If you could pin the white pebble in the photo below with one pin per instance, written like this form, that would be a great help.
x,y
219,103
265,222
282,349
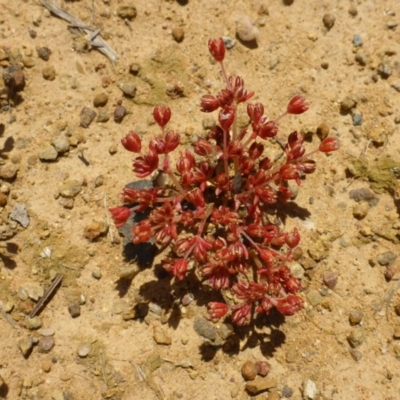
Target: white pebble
x,y
245,29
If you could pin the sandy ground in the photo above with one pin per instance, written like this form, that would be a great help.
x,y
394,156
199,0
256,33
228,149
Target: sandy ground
x,y
344,344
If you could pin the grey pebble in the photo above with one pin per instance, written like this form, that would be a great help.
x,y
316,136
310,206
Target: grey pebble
x,y
229,42
287,391
19,213
386,258
314,297
119,113
70,189
8,171
48,153
357,40
25,345
46,344
83,350
364,194
128,88
103,115
61,144
356,337
226,330
357,119
33,323
96,273
86,117
74,309
205,328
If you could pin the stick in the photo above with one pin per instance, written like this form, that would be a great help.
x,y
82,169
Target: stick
x,y
46,295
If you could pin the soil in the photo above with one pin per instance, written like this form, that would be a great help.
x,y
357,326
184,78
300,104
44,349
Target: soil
x,y
134,339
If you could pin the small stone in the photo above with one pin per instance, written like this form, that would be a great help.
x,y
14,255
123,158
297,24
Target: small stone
x,y
134,69
355,317
355,354
260,385
226,330
25,345
325,64
127,12
103,116
263,368
96,273
44,53
14,78
129,273
178,33
357,40
356,337
48,153
70,189
100,100
392,24
353,11
396,333
364,194
46,332
46,344
386,258
245,29
309,390
263,9
229,42
361,58
384,70
22,294
86,117
330,279
19,214
35,291
83,350
8,171
329,21
3,200
74,309
205,328
287,391
61,144
95,229
119,113
360,210
314,297
308,263
249,371
66,203
33,323
49,73
347,104
160,337
46,365
187,299
127,88
323,130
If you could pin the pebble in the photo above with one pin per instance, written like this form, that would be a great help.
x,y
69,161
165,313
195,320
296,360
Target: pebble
x,y
229,42
95,229
364,194
103,116
129,272
355,317
96,273
49,73
360,210
396,333
70,189
263,368
8,171
249,371
245,29
356,337
386,258
25,345
14,78
83,350
347,104
160,337
74,309
314,297
323,130
3,200
46,344
261,384
61,144
178,33
329,21
330,279
48,153
100,100
384,70
33,323
357,119
127,12
361,58
205,328
127,88
44,53
86,117
46,332
66,203
119,113
22,294
35,291
226,330
357,40
46,365
309,390
355,354
353,11
19,213
392,24
287,391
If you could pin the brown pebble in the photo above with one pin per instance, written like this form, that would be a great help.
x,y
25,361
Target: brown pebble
x,y
74,309
160,336
323,130
46,344
3,200
353,11
127,12
49,73
95,229
44,53
330,279
120,113
263,368
249,371
328,20
355,317
87,116
263,10
46,365
178,33
100,100
324,64
14,78
113,149
8,171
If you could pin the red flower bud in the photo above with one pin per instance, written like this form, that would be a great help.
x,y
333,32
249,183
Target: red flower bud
x,y
217,310
255,150
226,117
179,269
144,165
132,142
162,115
289,171
120,215
289,305
292,239
209,103
255,112
329,144
266,129
217,49
297,105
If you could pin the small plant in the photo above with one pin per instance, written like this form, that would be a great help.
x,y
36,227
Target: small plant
x,y
211,215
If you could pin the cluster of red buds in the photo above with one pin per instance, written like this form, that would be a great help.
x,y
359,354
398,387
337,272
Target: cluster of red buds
x,y
211,214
